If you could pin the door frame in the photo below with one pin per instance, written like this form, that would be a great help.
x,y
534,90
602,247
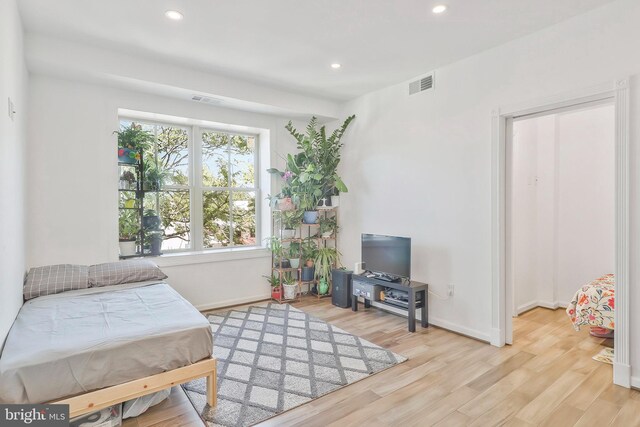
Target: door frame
x,y
502,119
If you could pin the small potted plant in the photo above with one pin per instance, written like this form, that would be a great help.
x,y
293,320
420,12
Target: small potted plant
x,y
294,254
128,180
276,289
132,142
154,177
290,287
151,220
128,231
326,259
328,226
153,239
335,198
291,222
279,260
309,251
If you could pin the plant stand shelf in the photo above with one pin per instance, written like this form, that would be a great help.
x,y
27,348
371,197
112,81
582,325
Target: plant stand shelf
x,y
304,232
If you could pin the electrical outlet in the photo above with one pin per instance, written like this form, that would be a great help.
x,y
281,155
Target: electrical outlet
x,y
450,290
12,109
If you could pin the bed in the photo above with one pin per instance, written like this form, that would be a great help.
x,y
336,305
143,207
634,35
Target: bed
x,y
594,304
94,347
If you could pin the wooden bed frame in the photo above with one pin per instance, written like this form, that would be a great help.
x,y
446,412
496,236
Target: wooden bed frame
x,y
95,400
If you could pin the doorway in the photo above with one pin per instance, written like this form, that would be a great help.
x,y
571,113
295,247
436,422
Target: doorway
x,y
560,234
503,292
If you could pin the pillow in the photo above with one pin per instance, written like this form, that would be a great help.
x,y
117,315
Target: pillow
x,y
129,271
53,279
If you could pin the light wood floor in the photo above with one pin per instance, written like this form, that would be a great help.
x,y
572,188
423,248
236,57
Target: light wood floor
x,y
546,378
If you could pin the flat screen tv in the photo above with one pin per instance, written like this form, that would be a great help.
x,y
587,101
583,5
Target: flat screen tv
x,y
387,255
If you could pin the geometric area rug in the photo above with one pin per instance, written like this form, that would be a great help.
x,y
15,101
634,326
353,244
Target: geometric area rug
x,y
274,357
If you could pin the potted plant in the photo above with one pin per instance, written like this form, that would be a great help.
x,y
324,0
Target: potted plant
x,y
326,259
294,254
154,177
291,222
279,261
128,232
328,226
151,220
290,287
309,251
154,241
311,174
276,290
335,198
132,142
128,180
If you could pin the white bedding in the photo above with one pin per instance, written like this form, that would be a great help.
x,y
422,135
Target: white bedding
x,y
79,341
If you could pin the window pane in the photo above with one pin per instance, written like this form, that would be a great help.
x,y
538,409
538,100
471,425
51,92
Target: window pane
x,y
173,154
242,161
244,218
215,210
215,159
176,221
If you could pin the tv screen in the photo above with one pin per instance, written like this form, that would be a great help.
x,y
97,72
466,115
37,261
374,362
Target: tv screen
x,y
387,254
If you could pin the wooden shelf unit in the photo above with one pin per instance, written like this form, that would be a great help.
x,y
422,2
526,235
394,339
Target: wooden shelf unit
x,y
304,231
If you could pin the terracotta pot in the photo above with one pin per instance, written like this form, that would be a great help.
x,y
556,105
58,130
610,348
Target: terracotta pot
x,y
276,292
309,263
286,204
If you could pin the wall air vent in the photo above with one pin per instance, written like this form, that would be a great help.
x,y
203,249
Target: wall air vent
x,y
422,84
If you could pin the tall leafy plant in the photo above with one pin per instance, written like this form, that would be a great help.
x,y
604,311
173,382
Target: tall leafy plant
x,y
311,174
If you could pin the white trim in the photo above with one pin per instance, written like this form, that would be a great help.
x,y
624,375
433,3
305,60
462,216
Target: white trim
x,y
621,361
635,382
212,255
501,312
435,321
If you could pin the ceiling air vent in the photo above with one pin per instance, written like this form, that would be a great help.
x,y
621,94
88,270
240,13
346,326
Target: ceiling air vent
x,y
420,85
206,99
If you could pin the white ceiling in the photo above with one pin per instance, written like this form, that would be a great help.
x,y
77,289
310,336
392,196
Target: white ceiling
x,y
291,43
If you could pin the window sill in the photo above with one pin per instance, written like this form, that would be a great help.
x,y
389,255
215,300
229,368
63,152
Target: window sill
x,y
209,256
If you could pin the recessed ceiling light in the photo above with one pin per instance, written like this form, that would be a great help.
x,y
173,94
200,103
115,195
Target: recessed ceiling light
x,y
335,65
174,14
439,9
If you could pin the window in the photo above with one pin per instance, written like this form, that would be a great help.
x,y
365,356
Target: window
x,y
208,196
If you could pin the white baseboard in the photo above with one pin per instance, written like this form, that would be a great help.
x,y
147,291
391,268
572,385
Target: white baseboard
x,y
545,304
232,302
622,374
497,338
526,307
441,323
635,382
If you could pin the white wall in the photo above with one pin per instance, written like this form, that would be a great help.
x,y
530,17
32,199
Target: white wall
x,y
13,83
563,216
72,198
421,165
586,198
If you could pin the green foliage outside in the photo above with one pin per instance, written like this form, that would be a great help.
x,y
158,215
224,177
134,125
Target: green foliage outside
x,y
228,161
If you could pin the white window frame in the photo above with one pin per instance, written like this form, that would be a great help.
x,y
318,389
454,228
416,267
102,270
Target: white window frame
x,y
196,187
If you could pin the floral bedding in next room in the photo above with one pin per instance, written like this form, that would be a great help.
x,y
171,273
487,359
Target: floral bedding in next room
x,y
594,304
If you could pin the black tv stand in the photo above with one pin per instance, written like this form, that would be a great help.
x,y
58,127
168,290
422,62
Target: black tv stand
x,y
368,287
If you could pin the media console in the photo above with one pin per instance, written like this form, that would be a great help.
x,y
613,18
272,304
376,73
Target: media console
x,y
369,289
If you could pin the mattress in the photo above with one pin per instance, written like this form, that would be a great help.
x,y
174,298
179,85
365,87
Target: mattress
x,y
78,341
594,304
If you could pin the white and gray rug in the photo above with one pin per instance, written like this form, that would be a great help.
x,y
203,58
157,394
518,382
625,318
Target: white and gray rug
x,y
275,357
